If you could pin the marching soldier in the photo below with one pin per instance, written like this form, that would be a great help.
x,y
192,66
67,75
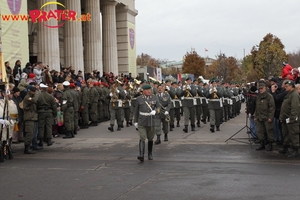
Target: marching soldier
x,y
204,102
106,100
188,103
93,107
100,109
147,105
198,102
126,103
68,110
114,107
84,106
215,105
225,102
134,94
221,90
47,111
162,118
176,104
264,114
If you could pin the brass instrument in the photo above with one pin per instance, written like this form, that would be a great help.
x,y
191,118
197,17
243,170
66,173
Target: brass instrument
x,y
163,110
187,90
113,90
214,92
154,80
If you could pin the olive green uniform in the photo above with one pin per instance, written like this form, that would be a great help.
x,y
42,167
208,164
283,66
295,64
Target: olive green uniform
x,y
204,103
215,105
188,103
47,111
68,111
265,109
76,108
84,106
93,109
290,110
161,124
30,117
175,94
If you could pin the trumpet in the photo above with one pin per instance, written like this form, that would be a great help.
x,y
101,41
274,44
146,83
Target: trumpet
x,y
187,90
214,92
154,80
163,110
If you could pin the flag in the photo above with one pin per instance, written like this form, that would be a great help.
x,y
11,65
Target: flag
x,y
3,76
205,49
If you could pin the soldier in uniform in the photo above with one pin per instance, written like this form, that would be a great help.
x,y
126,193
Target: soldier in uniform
x,y
30,118
93,107
204,102
147,105
106,100
114,107
215,105
175,93
188,104
76,106
126,103
264,114
289,116
84,106
162,118
100,102
68,110
198,102
225,102
47,111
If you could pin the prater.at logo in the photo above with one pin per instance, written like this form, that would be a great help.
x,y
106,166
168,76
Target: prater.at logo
x,y
61,16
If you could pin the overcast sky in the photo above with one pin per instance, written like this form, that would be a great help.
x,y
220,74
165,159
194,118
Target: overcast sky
x,y
167,29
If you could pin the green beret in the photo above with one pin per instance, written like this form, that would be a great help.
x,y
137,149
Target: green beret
x,y
173,83
212,80
217,80
167,81
146,87
156,82
187,79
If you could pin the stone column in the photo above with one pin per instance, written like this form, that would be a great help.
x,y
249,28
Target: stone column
x,y
73,38
109,29
48,42
92,38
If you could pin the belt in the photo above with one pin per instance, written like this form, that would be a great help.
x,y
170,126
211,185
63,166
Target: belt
x,y
189,97
145,114
214,100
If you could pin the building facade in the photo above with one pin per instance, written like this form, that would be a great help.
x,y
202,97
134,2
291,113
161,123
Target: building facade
x,y
107,42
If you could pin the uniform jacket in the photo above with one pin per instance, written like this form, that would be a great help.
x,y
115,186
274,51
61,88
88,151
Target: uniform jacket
x,y
29,108
265,107
165,103
67,100
215,100
188,96
84,96
175,94
46,103
290,107
142,107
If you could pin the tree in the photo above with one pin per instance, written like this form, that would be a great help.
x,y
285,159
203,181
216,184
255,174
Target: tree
x,y
193,64
147,60
267,57
294,59
248,73
225,68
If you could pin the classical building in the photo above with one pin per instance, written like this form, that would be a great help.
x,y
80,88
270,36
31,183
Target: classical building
x,y
106,42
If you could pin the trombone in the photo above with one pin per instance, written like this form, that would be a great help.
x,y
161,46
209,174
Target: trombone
x,y
154,80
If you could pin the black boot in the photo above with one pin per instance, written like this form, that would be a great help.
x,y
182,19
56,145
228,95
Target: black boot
x,y
261,146
41,143
212,128
75,131
68,135
84,126
198,124
193,127
171,128
150,146
119,127
285,150
27,150
130,122
141,150
72,134
294,153
218,128
127,124
178,125
158,140
49,142
185,128
111,128
166,138
269,146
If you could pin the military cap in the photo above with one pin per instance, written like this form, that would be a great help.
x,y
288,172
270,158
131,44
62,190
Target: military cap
x,y
42,85
66,83
167,81
289,82
173,83
261,85
156,82
146,87
213,81
187,79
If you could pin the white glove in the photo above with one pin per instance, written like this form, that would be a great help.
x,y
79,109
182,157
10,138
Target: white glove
x,y
184,87
153,112
118,91
110,94
4,122
210,91
7,92
189,87
168,88
125,92
12,122
166,113
136,125
182,98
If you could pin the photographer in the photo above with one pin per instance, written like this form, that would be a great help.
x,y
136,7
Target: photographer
x,y
250,109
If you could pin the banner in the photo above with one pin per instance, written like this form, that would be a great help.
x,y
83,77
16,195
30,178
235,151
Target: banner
x,y
131,49
14,31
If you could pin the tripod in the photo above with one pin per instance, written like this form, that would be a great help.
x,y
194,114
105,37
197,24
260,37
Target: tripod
x,y
248,140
